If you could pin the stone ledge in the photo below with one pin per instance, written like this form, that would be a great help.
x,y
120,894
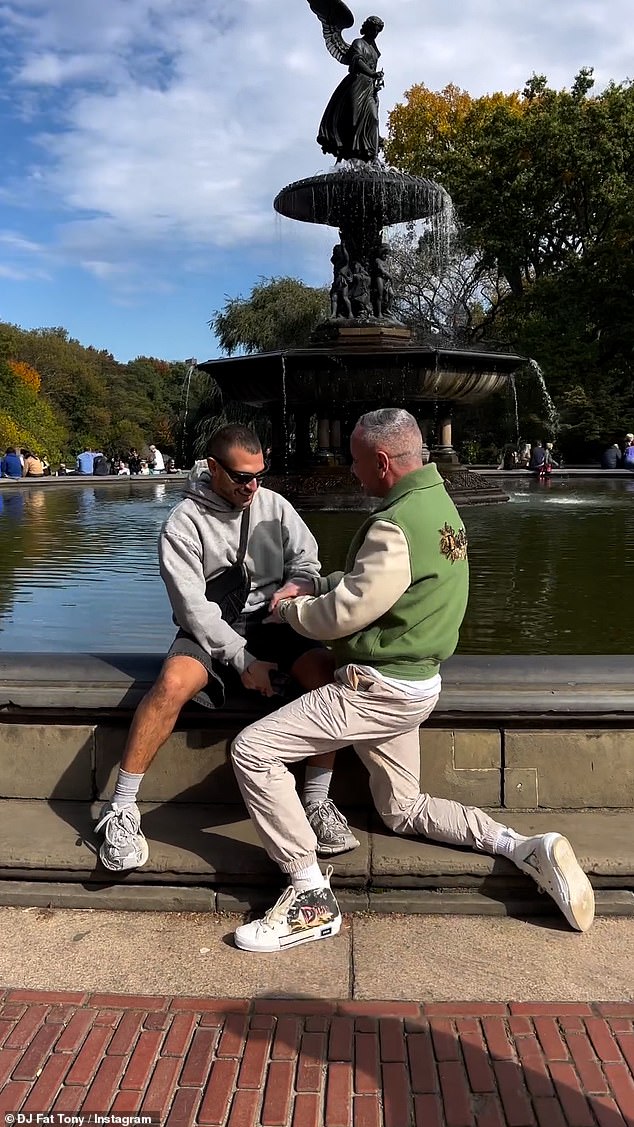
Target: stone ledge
x,y
576,686
217,846
166,898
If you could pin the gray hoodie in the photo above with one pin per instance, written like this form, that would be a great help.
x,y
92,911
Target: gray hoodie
x,y
200,538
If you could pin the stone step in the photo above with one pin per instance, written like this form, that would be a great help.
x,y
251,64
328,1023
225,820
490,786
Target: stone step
x,y
215,849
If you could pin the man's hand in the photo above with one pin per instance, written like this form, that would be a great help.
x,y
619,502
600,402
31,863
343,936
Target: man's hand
x,y
256,677
291,590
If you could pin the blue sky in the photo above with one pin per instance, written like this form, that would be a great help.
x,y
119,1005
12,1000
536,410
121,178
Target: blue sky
x,y
143,142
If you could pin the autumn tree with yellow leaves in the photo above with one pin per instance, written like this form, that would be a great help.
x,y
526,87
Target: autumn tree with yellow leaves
x,y
543,188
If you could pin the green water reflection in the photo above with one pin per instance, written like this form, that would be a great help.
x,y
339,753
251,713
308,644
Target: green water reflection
x,y
550,571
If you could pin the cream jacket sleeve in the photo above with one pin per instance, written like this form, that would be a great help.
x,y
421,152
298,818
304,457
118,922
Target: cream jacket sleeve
x,y
381,573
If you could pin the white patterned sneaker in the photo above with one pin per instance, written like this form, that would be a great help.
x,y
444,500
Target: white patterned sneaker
x,y
550,860
330,828
297,917
124,846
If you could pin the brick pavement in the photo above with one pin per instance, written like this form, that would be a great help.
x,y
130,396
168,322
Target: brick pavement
x,y
274,1062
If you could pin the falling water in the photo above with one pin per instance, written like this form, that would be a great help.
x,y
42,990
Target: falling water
x,y
191,368
552,413
513,388
285,439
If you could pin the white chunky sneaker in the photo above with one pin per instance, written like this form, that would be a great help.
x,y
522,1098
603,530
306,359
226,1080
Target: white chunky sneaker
x,y
550,860
330,828
124,846
298,917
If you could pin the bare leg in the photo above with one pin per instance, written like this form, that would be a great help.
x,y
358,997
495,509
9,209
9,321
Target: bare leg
x,y
124,845
155,718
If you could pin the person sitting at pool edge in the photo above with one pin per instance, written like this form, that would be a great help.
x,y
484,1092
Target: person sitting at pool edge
x,y
199,540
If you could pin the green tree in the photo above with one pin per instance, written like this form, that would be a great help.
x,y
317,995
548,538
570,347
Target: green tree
x,y
543,187
26,417
279,313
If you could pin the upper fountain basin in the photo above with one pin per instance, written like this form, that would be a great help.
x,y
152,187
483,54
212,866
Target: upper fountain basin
x,y
371,191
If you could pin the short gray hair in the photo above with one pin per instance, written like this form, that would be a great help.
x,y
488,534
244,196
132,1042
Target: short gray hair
x,y
394,429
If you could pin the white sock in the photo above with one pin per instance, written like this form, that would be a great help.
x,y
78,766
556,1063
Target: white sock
x,y
507,842
305,879
316,784
127,788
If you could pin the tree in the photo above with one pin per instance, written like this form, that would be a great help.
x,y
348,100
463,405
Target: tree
x,y
26,418
439,292
279,313
542,184
97,401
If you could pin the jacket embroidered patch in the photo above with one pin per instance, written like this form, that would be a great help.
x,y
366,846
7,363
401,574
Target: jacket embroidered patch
x,y
453,544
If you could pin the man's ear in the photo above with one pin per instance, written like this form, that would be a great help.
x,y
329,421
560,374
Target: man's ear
x,y
382,461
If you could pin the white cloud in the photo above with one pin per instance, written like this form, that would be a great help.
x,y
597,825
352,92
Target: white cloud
x,y
17,242
166,127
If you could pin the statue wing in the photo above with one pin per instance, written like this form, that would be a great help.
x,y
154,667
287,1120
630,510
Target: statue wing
x,y
334,15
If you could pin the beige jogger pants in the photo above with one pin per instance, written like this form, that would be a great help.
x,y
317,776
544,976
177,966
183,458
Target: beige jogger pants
x,y
382,724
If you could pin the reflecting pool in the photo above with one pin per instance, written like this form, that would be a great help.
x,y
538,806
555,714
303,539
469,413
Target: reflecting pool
x,y
551,571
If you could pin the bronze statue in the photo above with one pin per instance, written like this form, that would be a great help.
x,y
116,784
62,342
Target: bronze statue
x,y
349,128
360,291
382,289
342,277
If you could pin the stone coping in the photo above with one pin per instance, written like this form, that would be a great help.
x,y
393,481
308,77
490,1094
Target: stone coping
x,y
51,480
584,689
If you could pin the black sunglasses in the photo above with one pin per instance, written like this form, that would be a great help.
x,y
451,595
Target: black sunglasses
x,y
241,477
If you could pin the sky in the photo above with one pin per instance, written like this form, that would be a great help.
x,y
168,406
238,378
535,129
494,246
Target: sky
x,y
143,142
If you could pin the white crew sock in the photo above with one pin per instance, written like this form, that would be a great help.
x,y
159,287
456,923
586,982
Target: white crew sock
x,y
306,879
316,784
507,842
127,788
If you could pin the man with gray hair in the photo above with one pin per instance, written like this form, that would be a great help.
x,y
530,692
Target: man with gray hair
x,y
391,618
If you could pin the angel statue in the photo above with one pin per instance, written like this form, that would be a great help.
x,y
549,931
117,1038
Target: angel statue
x,y
350,126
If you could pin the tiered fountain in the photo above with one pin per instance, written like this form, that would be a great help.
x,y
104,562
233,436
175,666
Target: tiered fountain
x,y
362,357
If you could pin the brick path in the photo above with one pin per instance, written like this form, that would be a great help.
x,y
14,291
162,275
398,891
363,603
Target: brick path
x,y
305,1063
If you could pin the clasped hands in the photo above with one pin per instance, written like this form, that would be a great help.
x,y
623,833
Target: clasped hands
x,y
257,675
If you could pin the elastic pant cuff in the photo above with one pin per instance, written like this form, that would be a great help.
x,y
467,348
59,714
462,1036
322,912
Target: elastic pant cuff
x,y
296,866
490,841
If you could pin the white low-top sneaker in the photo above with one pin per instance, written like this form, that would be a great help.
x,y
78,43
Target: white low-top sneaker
x,y
297,917
550,860
124,846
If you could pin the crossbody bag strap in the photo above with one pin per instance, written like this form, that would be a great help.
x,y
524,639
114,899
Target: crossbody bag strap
x,y
244,536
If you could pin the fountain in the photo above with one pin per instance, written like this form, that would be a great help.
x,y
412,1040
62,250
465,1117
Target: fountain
x,y
362,356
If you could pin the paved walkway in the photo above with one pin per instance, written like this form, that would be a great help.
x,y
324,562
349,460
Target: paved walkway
x,y
303,1063
158,1015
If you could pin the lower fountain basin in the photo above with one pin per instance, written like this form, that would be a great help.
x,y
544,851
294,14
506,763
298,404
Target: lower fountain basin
x,y
340,375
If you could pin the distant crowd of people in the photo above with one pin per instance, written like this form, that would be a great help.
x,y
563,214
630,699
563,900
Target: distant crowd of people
x,y
539,458
98,464
619,456
18,462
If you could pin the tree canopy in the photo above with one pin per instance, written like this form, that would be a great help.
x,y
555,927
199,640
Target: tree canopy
x,y
60,397
278,313
543,188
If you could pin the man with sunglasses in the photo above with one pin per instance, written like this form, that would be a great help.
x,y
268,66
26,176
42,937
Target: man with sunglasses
x,y
199,541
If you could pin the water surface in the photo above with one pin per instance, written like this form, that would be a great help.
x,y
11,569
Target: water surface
x,y
551,571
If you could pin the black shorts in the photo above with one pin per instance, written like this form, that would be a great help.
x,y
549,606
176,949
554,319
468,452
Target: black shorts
x,y
270,641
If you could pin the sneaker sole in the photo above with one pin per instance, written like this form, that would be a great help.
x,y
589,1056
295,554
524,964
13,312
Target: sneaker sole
x,y
579,909
119,868
324,850
310,935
